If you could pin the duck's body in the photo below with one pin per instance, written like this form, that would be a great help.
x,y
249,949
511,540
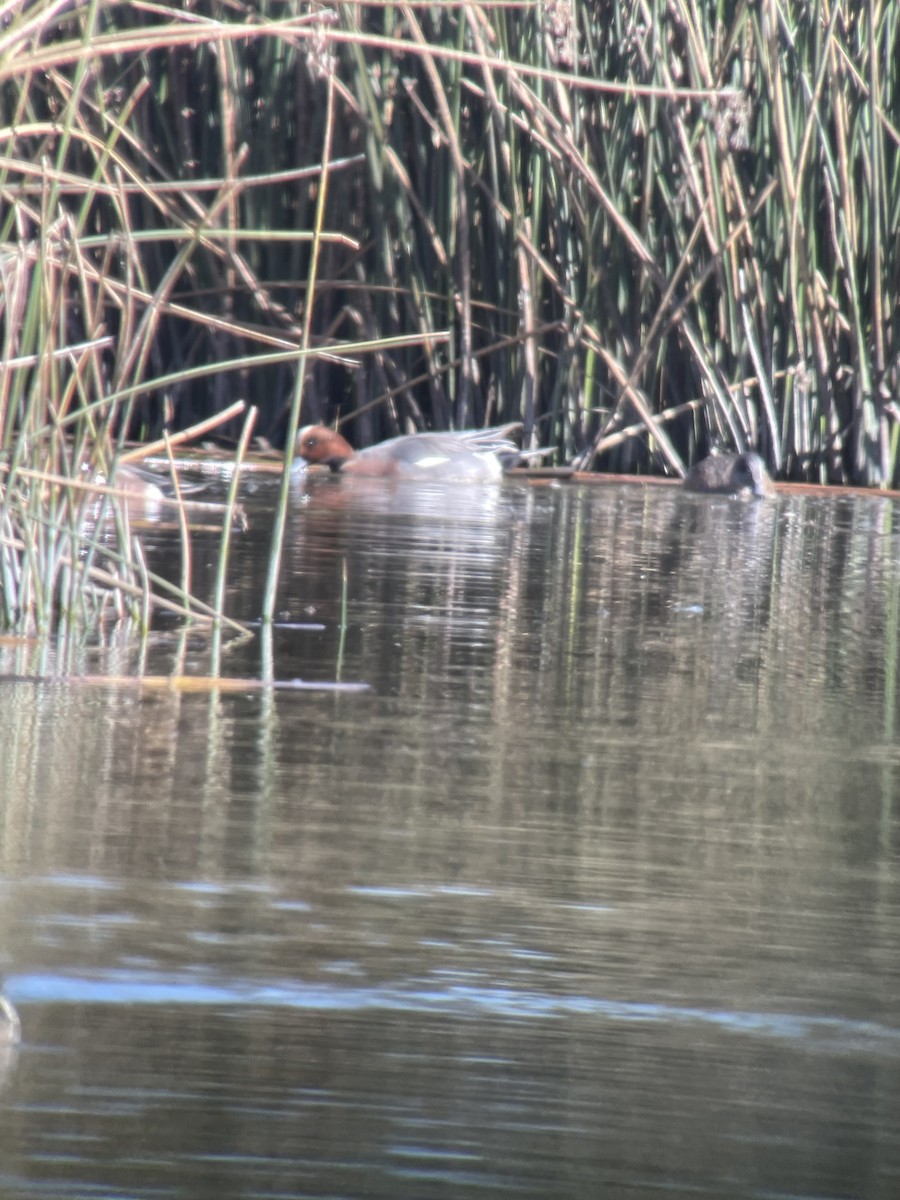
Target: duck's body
x,y
134,488
134,484
471,456
729,474
138,484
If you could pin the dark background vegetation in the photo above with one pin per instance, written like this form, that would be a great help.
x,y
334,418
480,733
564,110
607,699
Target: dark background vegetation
x,y
643,229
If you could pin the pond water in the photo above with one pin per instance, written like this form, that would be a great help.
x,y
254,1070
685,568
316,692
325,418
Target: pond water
x,y
593,890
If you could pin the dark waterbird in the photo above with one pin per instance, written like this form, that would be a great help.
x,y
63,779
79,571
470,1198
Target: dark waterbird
x,y
729,474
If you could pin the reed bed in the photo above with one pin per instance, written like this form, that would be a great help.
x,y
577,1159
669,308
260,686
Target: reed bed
x,y
641,229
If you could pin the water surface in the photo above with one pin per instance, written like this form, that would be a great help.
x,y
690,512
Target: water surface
x,y
593,891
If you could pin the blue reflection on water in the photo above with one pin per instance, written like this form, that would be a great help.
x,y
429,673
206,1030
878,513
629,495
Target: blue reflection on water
x,y
831,1033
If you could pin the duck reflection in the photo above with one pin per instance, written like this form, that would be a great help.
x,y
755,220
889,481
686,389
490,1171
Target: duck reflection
x,y
10,1025
433,560
359,494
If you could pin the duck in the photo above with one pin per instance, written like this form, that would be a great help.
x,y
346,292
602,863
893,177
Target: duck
x,y
144,500
729,474
10,1025
140,486
469,456
132,483
137,484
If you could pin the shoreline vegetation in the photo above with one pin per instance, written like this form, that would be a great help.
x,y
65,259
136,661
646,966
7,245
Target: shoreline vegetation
x,y
643,230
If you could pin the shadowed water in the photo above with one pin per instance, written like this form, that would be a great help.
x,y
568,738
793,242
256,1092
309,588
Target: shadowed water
x,y
594,891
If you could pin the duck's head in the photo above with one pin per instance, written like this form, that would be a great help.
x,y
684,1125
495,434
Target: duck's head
x,y
317,444
749,471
